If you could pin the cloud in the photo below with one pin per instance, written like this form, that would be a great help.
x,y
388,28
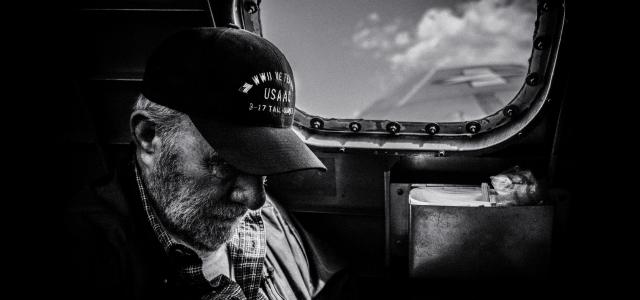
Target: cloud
x,y
486,31
373,17
402,39
378,38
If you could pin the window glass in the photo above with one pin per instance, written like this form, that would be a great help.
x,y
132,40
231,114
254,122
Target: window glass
x,y
403,60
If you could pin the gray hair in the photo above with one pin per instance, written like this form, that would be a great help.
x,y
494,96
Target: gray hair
x,y
168,121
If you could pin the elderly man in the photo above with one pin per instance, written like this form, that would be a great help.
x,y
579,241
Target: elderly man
x,y
188,216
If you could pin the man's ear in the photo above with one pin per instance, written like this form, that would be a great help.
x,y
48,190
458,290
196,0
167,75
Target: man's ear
x,y
144,134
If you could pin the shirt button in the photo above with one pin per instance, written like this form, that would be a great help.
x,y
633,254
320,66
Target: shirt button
x,y
183,255
179,251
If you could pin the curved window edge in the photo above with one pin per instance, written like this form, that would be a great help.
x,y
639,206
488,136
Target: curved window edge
x,y
472,135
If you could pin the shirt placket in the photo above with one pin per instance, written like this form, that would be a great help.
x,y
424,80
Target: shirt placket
x,y
248,248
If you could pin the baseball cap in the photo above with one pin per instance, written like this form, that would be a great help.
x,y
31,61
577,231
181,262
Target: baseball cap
x,y
238,90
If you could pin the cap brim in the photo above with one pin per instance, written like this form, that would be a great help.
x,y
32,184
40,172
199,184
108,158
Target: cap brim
x,y
258,150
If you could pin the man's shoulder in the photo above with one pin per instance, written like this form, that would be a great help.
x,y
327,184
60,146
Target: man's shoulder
x,y
107,249
274,211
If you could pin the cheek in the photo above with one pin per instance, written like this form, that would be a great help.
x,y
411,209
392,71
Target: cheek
x,y
190,157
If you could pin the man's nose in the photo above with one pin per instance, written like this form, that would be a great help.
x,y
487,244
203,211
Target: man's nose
x,y
249,190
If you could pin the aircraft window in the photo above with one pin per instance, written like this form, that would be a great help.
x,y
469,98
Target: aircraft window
x,y
406,61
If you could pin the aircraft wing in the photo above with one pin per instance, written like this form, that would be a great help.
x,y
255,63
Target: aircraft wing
x,y
450,95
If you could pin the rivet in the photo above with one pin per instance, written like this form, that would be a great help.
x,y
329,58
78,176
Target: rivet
x,y
432,128
545,5
355,126
533,79
251,7
473,127
510,111
393,128
316,123
540,43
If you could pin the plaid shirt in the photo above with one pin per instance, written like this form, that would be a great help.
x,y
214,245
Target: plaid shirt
x,y
247,250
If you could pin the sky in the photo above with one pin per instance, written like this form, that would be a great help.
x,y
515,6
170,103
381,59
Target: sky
x,y
346,55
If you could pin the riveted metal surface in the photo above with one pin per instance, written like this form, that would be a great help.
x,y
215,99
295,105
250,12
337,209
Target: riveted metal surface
x,y
479,242
398,220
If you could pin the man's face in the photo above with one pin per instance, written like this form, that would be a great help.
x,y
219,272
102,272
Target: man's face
x,y
199,196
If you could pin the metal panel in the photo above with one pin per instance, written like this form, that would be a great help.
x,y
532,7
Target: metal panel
x,y
139,4
353,184
479,242
462,170
398,222
113,44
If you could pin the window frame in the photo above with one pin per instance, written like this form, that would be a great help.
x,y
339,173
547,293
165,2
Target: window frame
x,y
437,137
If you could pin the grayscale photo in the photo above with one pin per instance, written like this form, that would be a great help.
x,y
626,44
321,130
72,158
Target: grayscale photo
x,y
315,149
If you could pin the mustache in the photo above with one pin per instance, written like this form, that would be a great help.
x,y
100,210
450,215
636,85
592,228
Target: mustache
x,y
220,205
211,202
